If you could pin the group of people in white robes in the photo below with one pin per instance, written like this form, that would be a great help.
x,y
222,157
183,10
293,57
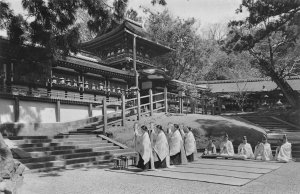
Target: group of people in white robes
x,y
262,150
159,148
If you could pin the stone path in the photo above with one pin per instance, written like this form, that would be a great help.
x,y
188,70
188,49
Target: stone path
x,y
228,172
96,181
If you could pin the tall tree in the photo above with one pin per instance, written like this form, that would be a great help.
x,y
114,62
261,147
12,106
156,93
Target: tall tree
x,y
269,33
181,35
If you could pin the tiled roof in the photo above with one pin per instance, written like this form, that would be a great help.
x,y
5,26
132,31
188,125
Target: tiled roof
x,y
131,27
249,85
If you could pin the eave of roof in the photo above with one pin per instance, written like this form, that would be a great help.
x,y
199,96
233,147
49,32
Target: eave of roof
x,y
95,66
129,27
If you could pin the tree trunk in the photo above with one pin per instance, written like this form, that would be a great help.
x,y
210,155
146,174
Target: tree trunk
x,y
285,87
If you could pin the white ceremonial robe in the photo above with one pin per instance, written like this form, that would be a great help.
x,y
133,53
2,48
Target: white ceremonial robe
x,y
190,143
161,146
284,152
263,152
143,146
245,150
226,148
175,143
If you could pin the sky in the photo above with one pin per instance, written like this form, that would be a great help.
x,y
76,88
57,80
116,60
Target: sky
x,y
205,11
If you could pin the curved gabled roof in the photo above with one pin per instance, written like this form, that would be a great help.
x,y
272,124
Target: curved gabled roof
x,y
129,27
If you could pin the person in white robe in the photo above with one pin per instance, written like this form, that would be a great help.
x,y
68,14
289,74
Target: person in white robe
x,y
284,151
245,150
161,149
143,147
177,152
263,150
226,147
189,144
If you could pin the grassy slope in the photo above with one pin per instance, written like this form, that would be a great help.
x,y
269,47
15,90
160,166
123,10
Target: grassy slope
x,y
204,126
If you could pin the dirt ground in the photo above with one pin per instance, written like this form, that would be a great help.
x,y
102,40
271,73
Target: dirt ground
x,y
97,181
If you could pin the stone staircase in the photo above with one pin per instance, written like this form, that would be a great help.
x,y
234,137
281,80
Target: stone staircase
x,y
275,129
67,151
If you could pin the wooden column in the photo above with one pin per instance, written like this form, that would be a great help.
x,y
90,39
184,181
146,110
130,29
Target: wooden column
x,y
134,63
220,105
104,113
90,110
138,105
166,99
180,105
151,102
17,109
57,111
123,110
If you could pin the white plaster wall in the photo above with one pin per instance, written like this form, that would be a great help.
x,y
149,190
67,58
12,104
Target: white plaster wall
x,y
6,111
96,112
37,112
73,112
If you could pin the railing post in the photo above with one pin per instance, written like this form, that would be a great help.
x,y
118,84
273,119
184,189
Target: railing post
x,y
151,102
104,113
58,111
181,104
123,110
138,105
220,105
90,110
17,109
166,99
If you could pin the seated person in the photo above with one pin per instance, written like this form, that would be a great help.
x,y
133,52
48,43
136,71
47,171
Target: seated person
x,y
263,150
211,148
284,150
245,150
226,147
161,148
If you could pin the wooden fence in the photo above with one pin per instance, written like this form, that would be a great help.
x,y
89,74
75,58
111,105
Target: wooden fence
x,y
133,107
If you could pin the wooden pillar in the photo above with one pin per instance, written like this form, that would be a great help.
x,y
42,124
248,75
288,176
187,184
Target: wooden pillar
x,y
134,63
123,110
180,105
151,102
104,113
166,99
57,111
138,105
17,109
220,105
90,110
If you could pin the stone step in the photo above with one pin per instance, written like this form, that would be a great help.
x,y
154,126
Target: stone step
x,y
46,169
81,132
82,155
102,163
106,148
45,164
38,160
59,152
75,135
49,148
34,145
27,137
88,145
88,159
74,138
34,141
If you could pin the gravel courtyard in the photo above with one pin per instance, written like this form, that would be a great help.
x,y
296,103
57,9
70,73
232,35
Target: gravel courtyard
x,y
283,180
